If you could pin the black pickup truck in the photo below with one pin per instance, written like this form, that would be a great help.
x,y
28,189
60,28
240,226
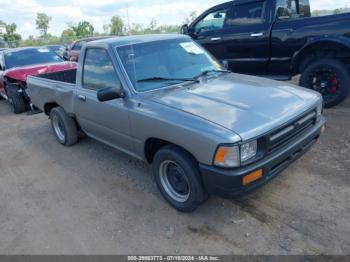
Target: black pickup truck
x,y
280,39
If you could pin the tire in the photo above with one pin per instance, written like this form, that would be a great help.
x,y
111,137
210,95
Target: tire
x,y
330,77
16,99
174,166
64,127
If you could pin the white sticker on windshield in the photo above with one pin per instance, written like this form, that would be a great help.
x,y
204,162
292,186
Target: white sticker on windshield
x,y
191,48
43,50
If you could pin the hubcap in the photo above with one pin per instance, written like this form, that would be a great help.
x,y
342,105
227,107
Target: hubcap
x,y
174,181
58,128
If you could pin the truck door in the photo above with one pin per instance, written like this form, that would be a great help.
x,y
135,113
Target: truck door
x,y
238,33
105,121
289,34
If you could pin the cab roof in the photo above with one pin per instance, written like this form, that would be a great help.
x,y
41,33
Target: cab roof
x,y
138,39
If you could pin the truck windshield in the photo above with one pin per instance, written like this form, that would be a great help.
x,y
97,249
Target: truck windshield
x,y
158,64
32,56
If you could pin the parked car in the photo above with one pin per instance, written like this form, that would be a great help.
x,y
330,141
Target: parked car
x,y
58,49
17,64
279,39
165,100
73,51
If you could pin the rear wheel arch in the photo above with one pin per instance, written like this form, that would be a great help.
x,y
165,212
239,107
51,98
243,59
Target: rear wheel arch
x,y
320,50
49,106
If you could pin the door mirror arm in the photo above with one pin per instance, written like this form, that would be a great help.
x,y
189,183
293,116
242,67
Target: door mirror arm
x,y
110,93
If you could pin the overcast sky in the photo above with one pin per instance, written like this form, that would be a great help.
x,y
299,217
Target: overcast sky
x,y
98,12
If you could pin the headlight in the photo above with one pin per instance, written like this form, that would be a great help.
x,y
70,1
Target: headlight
x,y
249,150
233,156
319,111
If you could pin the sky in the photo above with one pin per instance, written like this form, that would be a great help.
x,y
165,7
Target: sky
x,y
98,12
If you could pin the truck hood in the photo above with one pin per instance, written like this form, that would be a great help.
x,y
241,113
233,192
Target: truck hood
x,y
249,106
21,73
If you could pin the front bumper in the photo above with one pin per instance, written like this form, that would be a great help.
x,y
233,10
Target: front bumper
x,y
229,182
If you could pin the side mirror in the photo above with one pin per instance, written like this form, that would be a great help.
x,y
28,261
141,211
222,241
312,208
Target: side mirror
x,y
73,59
110,93
225,64
184,29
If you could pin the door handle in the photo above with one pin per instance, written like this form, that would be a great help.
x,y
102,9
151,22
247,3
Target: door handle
x,y
216,39
257,34
82,98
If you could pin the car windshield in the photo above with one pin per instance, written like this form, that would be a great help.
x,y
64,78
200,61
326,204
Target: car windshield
x,y
158,64
32,56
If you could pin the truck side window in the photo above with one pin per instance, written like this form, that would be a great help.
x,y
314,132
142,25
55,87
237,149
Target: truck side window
x,y
98,71
286,9
304,9
213,21
78,45
246,14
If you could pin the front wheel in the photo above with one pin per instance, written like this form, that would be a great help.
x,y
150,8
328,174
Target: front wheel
x,y
16,99
329,77
178,179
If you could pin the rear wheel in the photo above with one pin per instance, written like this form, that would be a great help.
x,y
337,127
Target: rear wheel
x,y
16,99
330,77
64,127
178,179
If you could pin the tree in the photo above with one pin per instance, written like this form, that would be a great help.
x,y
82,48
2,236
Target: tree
x,y
11,37
68,35
153,25
42,23
106,29
83,29
116,26
190,18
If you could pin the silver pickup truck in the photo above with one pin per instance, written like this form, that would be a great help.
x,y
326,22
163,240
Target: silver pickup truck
x,y
165,100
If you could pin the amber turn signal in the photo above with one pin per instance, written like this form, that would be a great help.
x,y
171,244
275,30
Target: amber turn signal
x,y
252,177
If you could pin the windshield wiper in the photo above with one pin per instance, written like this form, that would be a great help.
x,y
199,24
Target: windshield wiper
x,y
160,78
206,72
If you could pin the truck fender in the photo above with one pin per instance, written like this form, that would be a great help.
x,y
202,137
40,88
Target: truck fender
x,y
315,42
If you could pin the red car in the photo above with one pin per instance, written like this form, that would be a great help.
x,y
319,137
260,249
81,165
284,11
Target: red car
x,y
17,64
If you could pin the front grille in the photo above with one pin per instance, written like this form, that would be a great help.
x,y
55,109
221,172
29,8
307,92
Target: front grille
x,y
285,134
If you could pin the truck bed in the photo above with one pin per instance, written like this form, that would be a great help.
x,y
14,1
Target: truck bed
x,y
56,87
67,76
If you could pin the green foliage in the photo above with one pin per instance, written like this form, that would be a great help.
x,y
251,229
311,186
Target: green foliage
x,y
138,29
11,37
116,26
86,29
42,23
68,35
83,29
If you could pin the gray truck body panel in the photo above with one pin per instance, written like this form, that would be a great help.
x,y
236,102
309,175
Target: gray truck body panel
x,y
225,109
